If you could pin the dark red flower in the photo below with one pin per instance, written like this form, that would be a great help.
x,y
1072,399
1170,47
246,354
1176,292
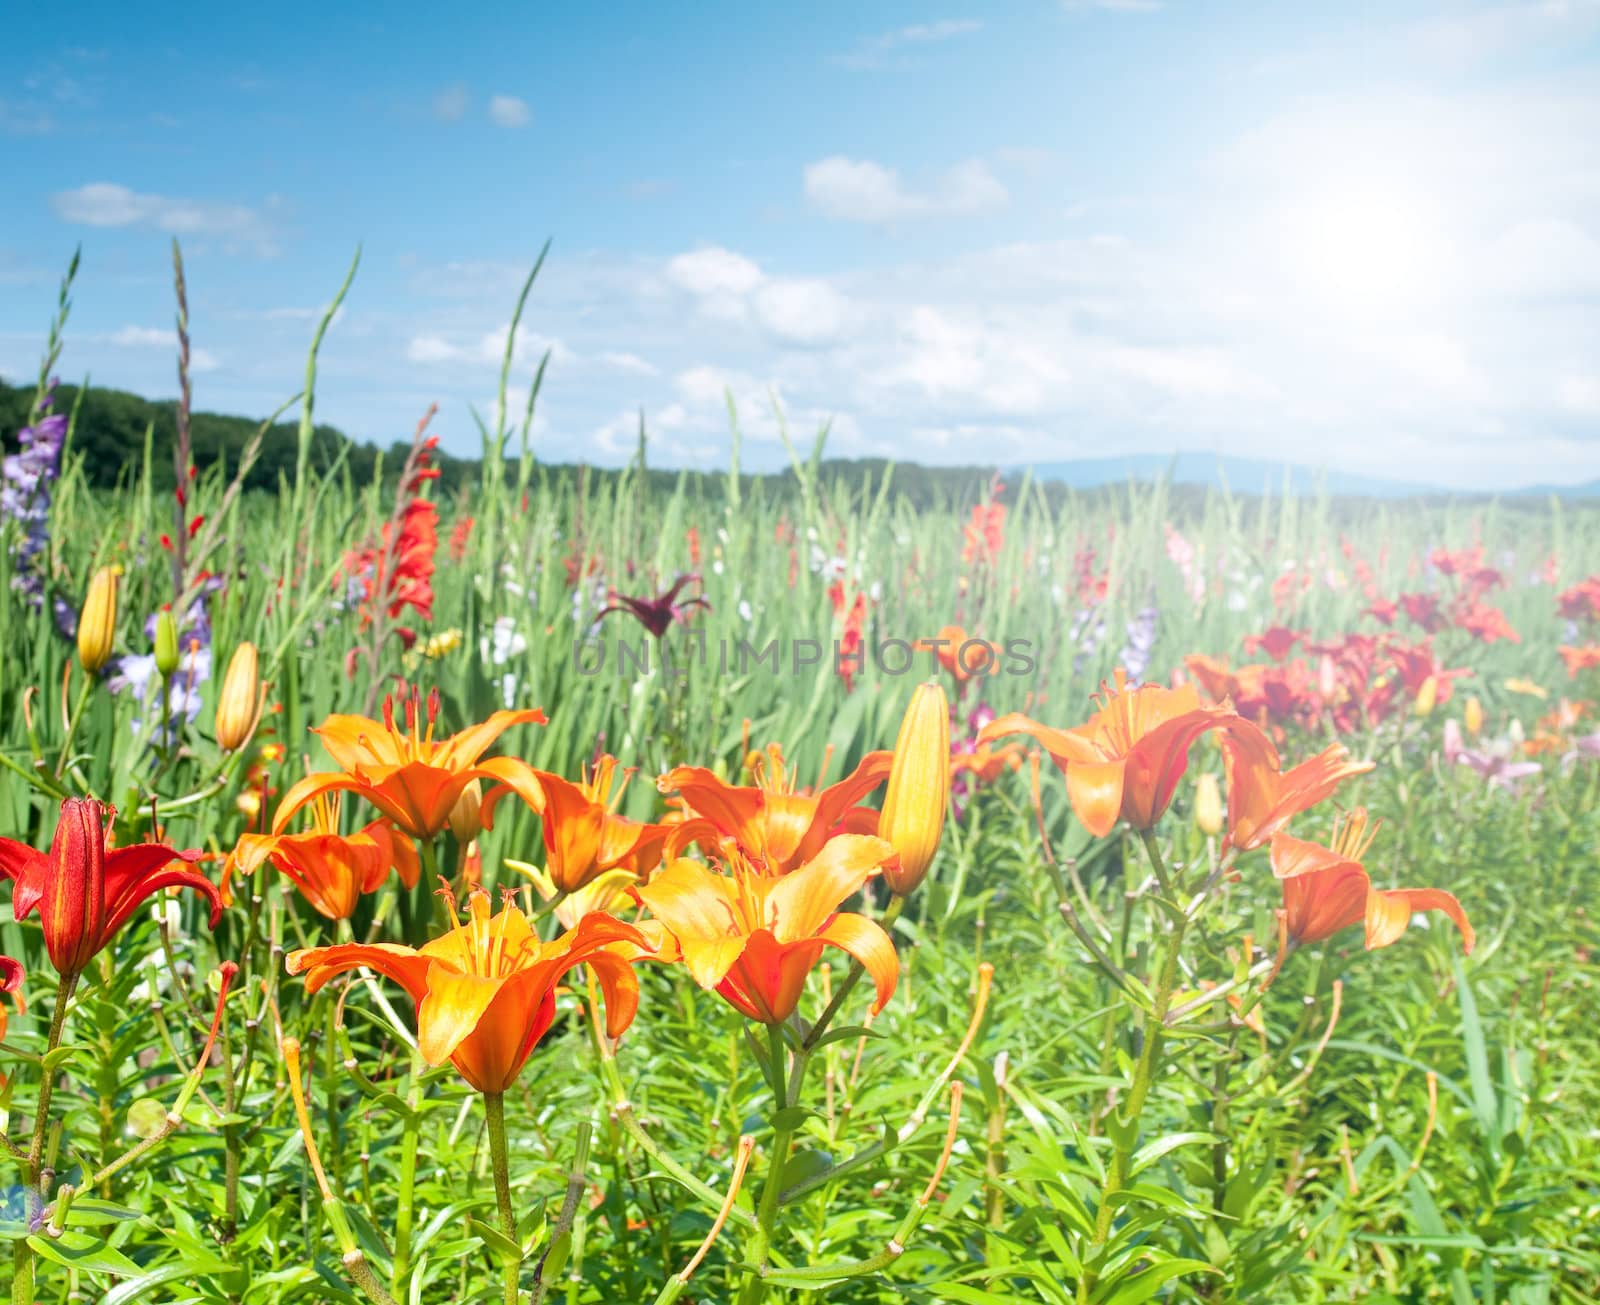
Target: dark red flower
x,y
657,614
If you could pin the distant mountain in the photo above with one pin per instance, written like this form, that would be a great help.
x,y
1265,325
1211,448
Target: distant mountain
x,y
1256,476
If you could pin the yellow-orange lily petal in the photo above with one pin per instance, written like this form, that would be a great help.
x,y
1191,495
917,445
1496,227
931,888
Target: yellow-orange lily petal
x,y
754,938
1262,798
485,991
1326,889
1126,760
407,774
331,870
584,838
770,821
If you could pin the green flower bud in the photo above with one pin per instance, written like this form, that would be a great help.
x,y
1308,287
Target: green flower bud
x,y
166,643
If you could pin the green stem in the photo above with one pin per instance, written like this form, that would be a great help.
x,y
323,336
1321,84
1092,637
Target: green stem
x,y
74,720
22,1258
755,1286
494,1109
1126,1134
562,1229
408,1177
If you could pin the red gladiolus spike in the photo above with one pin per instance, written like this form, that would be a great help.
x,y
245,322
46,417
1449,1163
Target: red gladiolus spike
x,y
194,526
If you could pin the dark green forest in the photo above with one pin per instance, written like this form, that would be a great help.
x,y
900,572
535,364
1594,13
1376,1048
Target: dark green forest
x,y
110,430
109,435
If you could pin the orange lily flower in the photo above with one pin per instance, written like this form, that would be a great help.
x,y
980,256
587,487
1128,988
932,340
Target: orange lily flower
x,y
755,937
1326,889
1127,759
986,763
1583,658
409,776
1262,797
486,991
772,823
85,889
583,836
331,870
964,656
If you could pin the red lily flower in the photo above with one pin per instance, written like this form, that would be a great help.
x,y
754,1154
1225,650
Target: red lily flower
x,y
1277,643
86,890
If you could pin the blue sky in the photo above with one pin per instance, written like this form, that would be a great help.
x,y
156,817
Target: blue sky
x,y
1362,235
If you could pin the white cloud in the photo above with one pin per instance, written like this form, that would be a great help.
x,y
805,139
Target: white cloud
x,y
141,336
1580,395
1114,6
628,362
157,337
714,271
450,104
509,111
1473,35
1544,257
431,349
24,120
487,348
107,204
530,347
859,190
804,312
871,51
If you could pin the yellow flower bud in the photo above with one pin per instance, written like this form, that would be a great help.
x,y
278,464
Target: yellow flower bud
x,y
1472,716
1427,696
466,820
97,623
239,706
919,787
1208,813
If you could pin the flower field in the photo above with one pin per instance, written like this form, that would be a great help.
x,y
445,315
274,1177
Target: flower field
x,y
556,888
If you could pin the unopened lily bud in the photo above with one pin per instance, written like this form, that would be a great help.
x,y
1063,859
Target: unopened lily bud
x,y
919,787
466,821
1327,677
97,624
1427,696
1472,716
1208,813
239,706
166,648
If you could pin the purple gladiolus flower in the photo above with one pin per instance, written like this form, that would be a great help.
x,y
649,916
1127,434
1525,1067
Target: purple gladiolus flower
x,y
1141,641
26,478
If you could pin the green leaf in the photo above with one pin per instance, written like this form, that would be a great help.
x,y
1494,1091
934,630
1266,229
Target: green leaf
x,y
790,1118
75,1250
1151,1152
1143,1285
503,1248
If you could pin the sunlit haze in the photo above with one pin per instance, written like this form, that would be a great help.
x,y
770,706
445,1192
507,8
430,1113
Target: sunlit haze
x,y
1359,237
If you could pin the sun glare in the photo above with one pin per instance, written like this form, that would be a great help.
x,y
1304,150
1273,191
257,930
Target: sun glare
x,y
1366,248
